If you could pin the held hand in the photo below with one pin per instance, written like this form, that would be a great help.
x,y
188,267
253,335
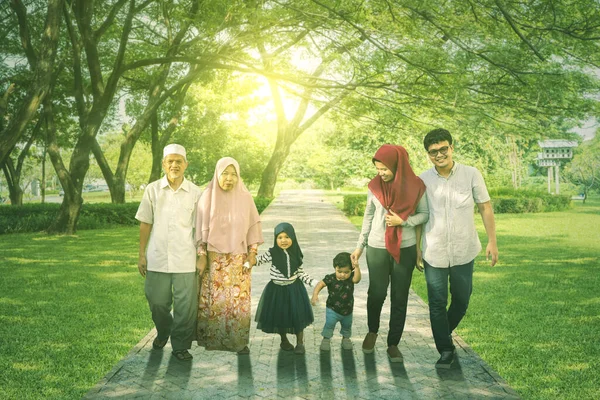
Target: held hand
x,y
355,256
142,265
251,259
492,250
419,263
393,219
201,263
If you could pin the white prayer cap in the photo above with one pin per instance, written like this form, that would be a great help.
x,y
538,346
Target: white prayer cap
x,y
174,149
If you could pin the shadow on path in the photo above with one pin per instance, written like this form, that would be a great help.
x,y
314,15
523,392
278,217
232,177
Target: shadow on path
x,y
269,372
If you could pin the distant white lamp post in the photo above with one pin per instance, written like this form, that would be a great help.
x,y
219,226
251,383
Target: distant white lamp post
x,y
553,151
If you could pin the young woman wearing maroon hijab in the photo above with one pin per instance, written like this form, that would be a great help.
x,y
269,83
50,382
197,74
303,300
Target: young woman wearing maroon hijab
x,y
396,205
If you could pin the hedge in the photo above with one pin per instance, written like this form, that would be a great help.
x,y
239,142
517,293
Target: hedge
x,y
503,201
505,204
354,204
509,200
37,217
262,203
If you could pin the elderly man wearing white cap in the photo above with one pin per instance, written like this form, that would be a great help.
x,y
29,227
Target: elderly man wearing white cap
x,y
167,258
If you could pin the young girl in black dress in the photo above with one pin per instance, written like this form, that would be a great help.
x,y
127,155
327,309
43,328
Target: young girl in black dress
x,y
284,306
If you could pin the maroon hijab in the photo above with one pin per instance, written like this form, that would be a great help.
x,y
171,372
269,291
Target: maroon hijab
x,y
402,195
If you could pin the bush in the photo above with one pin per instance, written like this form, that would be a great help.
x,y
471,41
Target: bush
x,y
505,204
509,200
27,218
105,215
354,204
504,200
262,203
36,217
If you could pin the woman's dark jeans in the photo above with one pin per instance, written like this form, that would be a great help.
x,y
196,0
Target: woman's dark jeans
x,y
382,269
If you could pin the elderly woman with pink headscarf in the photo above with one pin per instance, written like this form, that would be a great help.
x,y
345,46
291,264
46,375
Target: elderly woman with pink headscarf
x,y
228,233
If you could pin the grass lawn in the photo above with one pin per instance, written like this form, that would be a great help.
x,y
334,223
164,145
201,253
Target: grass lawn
x,y
535,317
70,308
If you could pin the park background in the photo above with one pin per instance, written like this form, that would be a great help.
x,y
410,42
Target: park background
x,y
302,94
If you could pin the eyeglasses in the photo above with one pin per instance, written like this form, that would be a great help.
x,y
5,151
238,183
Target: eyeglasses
x,y
434,153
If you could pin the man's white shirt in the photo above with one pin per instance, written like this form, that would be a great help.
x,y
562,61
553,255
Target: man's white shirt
x,y
450,237
172,213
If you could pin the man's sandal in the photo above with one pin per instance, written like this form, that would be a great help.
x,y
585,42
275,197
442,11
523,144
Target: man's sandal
x,y
182,355
159,344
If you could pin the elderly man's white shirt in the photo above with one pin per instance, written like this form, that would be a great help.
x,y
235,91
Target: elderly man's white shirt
x,y
450,237
172,213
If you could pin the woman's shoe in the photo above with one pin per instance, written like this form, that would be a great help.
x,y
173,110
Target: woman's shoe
x,y
368,345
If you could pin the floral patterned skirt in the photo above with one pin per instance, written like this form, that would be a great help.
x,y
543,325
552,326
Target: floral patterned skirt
x,y
224,303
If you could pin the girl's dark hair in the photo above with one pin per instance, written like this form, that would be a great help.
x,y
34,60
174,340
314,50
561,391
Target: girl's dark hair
x,y
342,260
436,136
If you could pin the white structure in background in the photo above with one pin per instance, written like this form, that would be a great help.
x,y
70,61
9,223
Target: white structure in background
x,y
553,152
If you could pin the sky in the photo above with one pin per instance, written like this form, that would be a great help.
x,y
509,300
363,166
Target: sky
x,y
588,129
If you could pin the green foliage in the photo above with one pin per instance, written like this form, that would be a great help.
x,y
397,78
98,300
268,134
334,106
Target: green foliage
x,y
508,200
35,217
354,204
103,215
217,125
504,204
262,203
584,169
27,217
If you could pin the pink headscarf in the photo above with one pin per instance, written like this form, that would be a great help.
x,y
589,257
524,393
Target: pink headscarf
x,y
227,221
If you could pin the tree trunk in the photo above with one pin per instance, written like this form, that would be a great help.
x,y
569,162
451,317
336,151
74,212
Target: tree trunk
x,y
43,183
13,182
71,179
157,147
15,194
66,222
117,192
43,69
90,122
269,175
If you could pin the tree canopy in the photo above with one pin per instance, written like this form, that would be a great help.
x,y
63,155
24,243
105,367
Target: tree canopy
x,y
498,74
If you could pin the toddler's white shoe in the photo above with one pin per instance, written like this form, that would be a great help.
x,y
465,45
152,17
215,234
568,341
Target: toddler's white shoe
x,y
347,344
325,344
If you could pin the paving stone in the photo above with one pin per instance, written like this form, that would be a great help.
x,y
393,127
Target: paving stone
x,y
270,373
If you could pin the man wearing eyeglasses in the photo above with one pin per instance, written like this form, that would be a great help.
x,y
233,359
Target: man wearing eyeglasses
x,y
450,241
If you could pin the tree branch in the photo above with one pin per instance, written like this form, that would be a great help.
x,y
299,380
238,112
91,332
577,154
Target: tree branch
x,y
80,102
83,15
21,11
516,29
109,20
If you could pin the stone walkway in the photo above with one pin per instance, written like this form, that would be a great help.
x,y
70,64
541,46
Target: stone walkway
x,y
269,373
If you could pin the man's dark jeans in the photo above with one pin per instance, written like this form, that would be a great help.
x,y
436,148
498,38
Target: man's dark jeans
x,y
443,321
